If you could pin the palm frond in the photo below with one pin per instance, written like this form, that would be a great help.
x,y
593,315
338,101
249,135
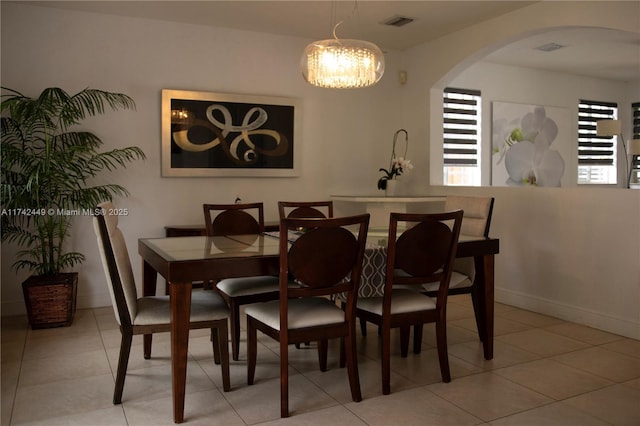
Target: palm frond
x,y
91,102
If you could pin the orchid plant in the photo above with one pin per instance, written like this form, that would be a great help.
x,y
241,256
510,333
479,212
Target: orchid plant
x,y
525,144
398,167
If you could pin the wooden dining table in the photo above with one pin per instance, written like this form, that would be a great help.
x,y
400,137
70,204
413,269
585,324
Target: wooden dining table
x,y
183,260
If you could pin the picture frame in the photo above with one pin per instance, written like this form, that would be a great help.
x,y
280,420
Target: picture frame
x,y
531,145
210,134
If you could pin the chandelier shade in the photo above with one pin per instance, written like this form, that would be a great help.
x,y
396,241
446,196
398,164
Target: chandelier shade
x,y
342,63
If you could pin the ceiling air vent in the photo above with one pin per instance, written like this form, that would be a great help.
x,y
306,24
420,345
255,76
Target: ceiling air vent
x,y
549,47
398,21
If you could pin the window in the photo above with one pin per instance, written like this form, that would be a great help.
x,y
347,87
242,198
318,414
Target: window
x,y
597,155
462,121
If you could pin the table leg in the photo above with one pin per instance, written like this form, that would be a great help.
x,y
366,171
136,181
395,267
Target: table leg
x,y
149,280
180,294
485,294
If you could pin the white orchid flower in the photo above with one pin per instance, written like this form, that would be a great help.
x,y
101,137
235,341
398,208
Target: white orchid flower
x,y
534,164
526,150
536,126
504,136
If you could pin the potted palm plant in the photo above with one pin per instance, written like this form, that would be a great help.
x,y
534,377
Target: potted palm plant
x,y
48,165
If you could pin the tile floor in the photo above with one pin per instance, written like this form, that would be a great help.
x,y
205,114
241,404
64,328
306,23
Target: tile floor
x,y
545,372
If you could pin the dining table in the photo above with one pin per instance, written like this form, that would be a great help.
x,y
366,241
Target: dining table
x,y
183,260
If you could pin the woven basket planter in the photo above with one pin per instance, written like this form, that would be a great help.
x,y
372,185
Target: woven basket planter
x,y
51,301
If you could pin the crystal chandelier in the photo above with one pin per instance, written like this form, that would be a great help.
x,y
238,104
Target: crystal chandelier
x,y
342,63
181,116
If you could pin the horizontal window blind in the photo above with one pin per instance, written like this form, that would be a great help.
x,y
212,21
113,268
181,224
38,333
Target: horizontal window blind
x,y
595,150
461,114
635,108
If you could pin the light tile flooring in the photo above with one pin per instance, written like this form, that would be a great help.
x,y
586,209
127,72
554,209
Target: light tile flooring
x,y
545,372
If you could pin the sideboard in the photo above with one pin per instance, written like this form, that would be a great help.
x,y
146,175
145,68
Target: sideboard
x,y
380,207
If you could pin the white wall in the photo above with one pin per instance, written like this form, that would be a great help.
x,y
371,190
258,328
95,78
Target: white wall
x,y
568,252
346,135
572,253
562,252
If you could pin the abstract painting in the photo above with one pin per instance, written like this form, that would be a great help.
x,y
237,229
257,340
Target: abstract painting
x,y
228,135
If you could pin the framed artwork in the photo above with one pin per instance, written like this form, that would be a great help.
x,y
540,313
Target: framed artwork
x,y
228,135
531,145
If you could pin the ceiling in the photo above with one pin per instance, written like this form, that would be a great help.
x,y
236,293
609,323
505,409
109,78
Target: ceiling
x,y
592,52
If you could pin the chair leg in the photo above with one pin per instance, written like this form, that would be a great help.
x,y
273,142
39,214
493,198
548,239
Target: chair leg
x,y
284,377
235,329
216,345
222,344
443,356
417,338
352,364
386,360
123,362
323,349
146,344
476,311
343,358
405,330
252,349
363,327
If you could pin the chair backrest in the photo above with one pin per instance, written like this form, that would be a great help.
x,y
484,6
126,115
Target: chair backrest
x,y
116,263
423,253
326,259
233,219
477,213
319,209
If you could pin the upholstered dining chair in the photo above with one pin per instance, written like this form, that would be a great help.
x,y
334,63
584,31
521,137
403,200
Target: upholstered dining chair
x,y
233,219
325,260
318,209
424,252
476,222
236,219
151,314
305,209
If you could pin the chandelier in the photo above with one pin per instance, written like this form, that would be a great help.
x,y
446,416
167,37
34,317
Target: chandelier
x,y
181,116
342,63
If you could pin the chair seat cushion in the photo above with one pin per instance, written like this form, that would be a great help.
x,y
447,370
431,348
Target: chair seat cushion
x,y
458,280
244,286
402,301
307,312
205,306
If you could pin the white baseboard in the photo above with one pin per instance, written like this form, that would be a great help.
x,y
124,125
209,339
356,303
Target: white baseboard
x,y
602,321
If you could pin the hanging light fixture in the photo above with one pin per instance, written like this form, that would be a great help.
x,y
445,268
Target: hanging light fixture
x,y
342,63
181,116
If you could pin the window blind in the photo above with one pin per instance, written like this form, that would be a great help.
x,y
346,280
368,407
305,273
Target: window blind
x,y
461,127
635,108
595,150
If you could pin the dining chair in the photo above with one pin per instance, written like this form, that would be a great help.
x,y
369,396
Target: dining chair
x,y
324,260
309,209
476,222
151,314
237,219
424,252
305,209
233,219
